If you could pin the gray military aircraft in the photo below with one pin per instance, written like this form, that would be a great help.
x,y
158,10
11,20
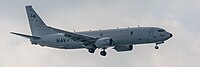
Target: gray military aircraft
x,y
120,39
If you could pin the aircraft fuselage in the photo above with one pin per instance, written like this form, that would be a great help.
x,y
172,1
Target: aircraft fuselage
x,y
121,39
124,36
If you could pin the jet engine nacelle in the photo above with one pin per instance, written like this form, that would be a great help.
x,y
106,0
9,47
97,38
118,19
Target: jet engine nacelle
x,y
104,42
123,48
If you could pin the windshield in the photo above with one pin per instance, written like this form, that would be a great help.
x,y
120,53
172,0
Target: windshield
x,y
161,30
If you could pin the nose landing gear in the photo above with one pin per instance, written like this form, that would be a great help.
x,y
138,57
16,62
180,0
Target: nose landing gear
x,y
156,47
160,42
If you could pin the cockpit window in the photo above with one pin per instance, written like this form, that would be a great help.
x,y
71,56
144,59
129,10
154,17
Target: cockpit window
x,y
161,30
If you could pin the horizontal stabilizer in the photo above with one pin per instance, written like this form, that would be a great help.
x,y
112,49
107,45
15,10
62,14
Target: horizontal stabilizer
x,y
26,36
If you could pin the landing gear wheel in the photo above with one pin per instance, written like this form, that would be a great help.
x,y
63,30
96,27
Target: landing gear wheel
x,y
156,47
91,50
103,53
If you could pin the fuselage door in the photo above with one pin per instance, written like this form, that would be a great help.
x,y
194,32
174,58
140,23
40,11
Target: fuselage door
x,y
151,33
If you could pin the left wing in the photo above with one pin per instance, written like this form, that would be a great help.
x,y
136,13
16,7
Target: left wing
x,y
88,41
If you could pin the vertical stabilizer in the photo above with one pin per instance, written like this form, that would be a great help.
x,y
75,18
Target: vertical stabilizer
x,y
37,26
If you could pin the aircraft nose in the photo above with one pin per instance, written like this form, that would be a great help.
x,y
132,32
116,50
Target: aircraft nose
x,y
171,35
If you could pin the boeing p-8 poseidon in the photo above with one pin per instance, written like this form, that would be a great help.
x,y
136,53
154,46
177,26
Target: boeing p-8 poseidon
x,y
119,39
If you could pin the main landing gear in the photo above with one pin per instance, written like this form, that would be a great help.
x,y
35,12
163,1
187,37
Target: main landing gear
x,y
91,50
103,52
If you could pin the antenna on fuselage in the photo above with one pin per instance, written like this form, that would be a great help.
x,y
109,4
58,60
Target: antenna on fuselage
x,y
74,30
138,25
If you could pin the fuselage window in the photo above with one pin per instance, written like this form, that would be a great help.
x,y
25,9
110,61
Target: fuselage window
x,y
131,32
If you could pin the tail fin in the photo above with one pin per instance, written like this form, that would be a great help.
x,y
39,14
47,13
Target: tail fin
x,y
37,26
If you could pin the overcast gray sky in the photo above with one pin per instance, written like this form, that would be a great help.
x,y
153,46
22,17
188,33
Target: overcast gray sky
x,y
181,17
